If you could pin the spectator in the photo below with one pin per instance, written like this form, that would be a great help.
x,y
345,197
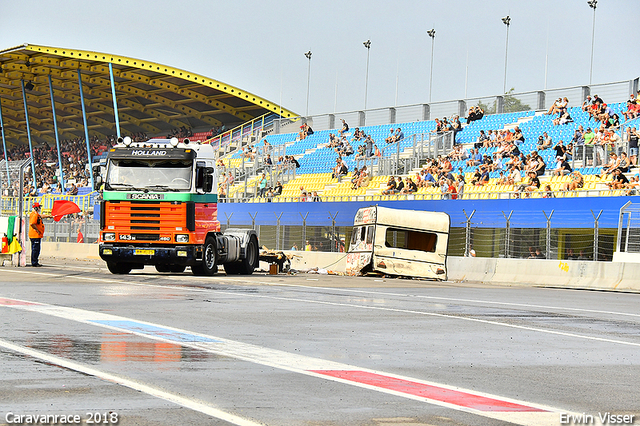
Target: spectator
x,y
564,168
355,175
548,193
613,164
476,158
633,108
391,186
532,185
277,190
262,185
625,163
619,181
578,136
345,128
482,141
268,162
339,170
315,197
410,187
632,140
577,182
460,185
73,190
391,138
475,113
399,135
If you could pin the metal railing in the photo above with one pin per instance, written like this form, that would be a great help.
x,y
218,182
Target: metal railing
x,y
469,195
534,100
231,140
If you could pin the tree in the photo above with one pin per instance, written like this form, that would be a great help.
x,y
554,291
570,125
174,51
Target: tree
x,y
511,104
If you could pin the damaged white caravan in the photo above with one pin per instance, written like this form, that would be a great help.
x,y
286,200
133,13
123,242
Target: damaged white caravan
x,y
407,243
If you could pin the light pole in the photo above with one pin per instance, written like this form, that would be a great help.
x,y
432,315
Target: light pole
x,y
592,4
507,21
367,44
308,55
432,34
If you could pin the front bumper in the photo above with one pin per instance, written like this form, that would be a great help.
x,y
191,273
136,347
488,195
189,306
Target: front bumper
x,y
145,255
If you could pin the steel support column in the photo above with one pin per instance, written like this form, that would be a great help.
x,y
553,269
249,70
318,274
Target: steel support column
x,y
55,128
26,115
115,102
86,127
4,146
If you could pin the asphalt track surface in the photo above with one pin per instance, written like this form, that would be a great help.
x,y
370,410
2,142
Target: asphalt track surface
x,y
162,349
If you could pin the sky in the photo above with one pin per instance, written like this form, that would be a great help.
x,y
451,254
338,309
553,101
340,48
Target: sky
x,y
259,46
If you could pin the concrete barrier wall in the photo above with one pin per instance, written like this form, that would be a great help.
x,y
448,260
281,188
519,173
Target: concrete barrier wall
x,y
68,250
576,274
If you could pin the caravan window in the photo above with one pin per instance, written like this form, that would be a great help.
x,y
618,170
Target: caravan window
x,y
411,240
361,238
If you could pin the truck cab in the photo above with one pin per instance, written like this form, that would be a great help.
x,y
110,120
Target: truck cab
x,y
160,207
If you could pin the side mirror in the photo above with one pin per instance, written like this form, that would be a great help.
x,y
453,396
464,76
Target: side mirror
x,y
97,178
207,185
97,182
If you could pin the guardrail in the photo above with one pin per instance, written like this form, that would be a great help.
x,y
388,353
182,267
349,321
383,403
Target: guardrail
x,y
9,206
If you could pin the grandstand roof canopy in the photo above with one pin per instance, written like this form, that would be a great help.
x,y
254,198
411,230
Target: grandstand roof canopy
x,y
152,98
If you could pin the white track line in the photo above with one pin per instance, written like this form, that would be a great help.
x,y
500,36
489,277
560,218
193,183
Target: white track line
x,y
300,364
176,399
351,305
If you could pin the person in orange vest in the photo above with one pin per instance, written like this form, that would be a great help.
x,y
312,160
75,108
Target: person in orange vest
x,y
36,232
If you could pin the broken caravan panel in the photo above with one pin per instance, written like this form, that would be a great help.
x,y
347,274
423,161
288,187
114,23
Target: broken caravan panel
x,y
399,242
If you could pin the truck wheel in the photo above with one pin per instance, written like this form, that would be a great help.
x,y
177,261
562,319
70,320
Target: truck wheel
x,y
209,265
118,268
248,264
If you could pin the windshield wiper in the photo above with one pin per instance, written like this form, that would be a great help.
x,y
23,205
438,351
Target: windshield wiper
x,y
117,185
162,188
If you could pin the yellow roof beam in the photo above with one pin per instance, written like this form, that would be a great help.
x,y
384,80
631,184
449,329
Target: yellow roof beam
x,y
134,91
162,69
76,112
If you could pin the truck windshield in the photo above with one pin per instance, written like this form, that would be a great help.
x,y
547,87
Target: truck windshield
x,y
162,175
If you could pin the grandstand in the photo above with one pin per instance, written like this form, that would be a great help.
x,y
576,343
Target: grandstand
x,y
244,136
316,159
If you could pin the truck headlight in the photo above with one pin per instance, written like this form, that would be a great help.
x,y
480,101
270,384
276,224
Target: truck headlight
x,y
182,238
109,236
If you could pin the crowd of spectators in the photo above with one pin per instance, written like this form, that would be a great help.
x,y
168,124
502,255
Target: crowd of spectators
x,y
180,133
73,156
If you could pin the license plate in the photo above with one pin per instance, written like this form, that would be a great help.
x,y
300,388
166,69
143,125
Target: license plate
x,y
144,252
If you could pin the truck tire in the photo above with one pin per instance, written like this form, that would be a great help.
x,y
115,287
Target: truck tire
x,y
209,264
248,264
119,268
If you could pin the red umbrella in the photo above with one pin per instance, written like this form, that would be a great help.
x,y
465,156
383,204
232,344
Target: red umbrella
x,y
62,208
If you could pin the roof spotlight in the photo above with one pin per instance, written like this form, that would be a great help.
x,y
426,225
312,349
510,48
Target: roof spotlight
x,y
29,86
186,141
126,141
174,142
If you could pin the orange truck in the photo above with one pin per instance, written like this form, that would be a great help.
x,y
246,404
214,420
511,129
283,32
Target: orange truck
x,y
160,207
